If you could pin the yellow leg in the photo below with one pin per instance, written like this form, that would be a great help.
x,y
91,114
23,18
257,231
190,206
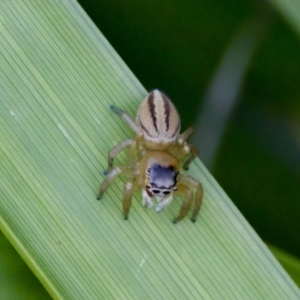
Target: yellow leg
x,y
198,201
116,150
185,188
108,180
183,136
125,171
186,204
192,155
125,116
127,196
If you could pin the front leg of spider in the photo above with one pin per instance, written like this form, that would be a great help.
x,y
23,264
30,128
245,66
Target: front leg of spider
x,y
186,187
156,153
128,188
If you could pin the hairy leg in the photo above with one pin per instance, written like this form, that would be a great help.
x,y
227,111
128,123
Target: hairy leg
x,y
183,136
115,151
126,117
127,196
194,184
110,177
193,153
187,193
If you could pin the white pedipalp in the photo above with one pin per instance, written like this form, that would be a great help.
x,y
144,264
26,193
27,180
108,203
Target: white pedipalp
x,y
146,199
162,204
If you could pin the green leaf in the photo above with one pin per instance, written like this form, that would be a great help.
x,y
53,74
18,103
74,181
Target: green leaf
x,y
16,279
290,9
58,77
290,263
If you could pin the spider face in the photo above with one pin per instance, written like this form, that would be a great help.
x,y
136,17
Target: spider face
x,y
161,181
155,155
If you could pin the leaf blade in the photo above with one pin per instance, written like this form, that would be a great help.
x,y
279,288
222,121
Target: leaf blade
x,y
59,81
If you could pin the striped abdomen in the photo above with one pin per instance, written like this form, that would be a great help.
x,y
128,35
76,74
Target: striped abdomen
x,y
158,118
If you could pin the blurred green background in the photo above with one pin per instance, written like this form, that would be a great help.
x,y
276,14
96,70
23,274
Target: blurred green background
x,y
179,46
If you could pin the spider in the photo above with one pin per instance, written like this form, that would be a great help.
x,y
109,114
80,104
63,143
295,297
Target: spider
x,y
154,158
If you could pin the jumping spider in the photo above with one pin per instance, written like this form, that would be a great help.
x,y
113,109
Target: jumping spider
x,y
154,158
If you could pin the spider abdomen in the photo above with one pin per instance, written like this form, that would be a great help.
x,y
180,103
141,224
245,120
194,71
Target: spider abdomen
x,y
158,118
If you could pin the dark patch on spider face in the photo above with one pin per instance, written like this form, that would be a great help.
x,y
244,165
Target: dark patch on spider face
x,y
167,110
162,179
152,110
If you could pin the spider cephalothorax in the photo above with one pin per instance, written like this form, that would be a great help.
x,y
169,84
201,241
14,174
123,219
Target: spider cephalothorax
x,y
158,151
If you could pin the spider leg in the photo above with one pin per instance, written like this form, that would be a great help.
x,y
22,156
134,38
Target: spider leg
x,y
115,151
192,183
190,150
109,178
126,117
127,196
197,202
185,191
193,153
183,136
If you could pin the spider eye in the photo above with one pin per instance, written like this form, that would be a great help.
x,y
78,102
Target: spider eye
x,y
148,170
155,191
166,192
